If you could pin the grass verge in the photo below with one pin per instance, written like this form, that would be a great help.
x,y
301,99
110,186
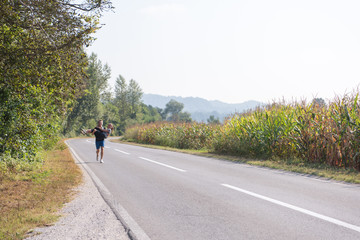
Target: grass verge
x,y
33,198
319,170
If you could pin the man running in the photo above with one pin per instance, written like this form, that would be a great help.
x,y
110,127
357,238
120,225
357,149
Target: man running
x,y
99,140
106,132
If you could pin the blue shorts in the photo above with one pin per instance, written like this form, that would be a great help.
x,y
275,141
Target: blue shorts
x,y
99,144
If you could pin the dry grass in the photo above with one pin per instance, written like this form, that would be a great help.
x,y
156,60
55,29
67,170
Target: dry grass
x,y
33,199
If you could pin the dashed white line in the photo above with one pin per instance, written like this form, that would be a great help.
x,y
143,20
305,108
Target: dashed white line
x,y
122,152
162,164
302,210
318,180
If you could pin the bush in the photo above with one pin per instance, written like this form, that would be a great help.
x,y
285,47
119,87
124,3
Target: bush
x,y
10,166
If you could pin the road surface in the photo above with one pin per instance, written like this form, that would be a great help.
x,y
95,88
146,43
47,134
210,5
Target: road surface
x,y
168,195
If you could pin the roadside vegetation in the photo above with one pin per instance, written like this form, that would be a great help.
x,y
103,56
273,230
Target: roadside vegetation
x,y
32,195
50,89
313,138
171,134
44,70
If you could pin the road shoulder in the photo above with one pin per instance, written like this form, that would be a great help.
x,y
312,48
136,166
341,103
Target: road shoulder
x,y
88,216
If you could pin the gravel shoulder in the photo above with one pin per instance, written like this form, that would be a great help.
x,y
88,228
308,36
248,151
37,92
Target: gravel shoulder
x,y
88,216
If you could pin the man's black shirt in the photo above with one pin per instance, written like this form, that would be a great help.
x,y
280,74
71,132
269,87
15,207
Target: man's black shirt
x,y
99,135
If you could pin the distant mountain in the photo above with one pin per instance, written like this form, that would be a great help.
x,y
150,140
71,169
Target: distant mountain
x,y
199,108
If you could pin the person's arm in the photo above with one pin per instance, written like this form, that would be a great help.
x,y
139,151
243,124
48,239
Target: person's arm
x,y
104,130
94,130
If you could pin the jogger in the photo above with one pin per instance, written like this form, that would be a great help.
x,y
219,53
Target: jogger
x,y
100,135
99,141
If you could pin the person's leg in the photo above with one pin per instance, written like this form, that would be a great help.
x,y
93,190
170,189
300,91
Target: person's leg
x,y
102,145
98,145
102,155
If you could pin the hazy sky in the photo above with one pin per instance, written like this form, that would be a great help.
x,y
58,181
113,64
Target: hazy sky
x,y
234,50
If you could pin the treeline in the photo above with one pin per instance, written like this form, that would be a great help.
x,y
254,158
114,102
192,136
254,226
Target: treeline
x,y
314,132
50,88
121,106
42,64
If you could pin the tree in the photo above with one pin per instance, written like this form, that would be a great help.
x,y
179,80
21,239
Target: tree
x,y
149,114
318,102
213,120
87,108
174,108
162,113
127,100
121,98
134,98
185,117
123,107
41,67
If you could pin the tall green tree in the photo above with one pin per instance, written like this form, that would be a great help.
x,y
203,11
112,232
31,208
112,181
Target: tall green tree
x,y
174,108
121,98
128,101
87,109
150,114
185,117
134,98
213,120
41,67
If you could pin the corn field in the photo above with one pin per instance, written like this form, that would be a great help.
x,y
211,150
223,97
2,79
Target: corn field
x,y
177,135
325,134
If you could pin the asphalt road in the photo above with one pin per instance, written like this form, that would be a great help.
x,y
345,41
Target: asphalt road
x,y
169,195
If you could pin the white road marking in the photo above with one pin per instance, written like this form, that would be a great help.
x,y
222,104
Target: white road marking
x,y
318,180
107,147
164,165
302,210
122,152
88,141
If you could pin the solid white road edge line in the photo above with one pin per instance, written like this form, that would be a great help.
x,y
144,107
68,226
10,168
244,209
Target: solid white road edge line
x,y
302,210
164,165
122,151
131,226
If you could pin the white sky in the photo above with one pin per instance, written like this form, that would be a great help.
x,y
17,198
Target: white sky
x,y
234,50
